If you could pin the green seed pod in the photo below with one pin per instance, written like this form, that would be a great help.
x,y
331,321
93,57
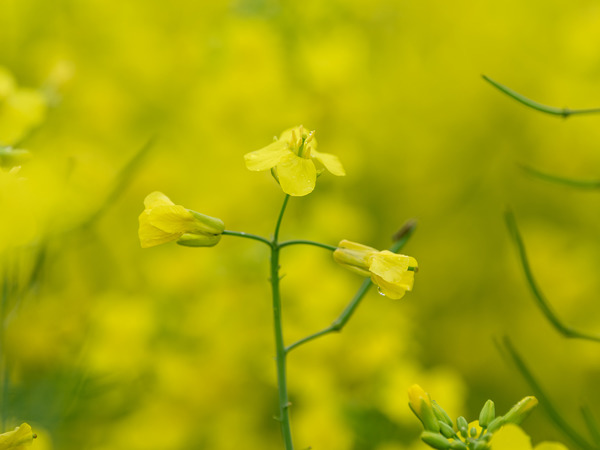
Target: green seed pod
x,y
435,440
441,414
446,429
487,414
521,410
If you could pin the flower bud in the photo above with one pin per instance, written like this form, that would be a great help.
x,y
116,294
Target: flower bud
x,y
446,429
420,403
463,426
521,410
487,414
441,414
435,440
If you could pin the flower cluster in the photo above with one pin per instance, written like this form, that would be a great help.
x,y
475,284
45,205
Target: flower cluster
x,y
489,432
295,163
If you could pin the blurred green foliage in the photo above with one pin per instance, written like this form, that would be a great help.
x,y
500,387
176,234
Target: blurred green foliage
x,y
115,347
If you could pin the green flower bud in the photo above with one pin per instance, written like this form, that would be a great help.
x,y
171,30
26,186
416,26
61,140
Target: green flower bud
x,y
521,410
458,445
463,426
420,404
198,240
487,414
441,414
435,440
495,424
446,429
481,445
473,432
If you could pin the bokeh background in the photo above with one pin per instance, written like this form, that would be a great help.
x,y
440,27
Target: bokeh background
x,y
106,346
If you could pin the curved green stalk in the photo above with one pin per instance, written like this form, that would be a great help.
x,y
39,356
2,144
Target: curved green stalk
x,y
247,236
571,182
542,303
280,358
400,239
305,242
563,112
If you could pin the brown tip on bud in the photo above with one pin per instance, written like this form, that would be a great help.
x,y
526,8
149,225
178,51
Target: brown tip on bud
x,y
34,436
407,228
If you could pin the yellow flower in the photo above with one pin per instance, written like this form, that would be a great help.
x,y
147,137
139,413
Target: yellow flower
x,y
164,221
18,439
393,273
512,437
294,161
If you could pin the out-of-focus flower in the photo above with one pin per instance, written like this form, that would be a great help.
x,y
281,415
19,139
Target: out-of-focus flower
x,y
21,109
163,221
294,161
512,437
18,439
393,273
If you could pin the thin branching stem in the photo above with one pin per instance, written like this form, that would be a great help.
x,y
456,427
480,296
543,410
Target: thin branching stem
x,y
541,301
563,112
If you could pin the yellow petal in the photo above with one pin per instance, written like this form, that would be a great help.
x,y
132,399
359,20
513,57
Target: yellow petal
x,y
297,176
18,439
171,219
157,199
511,437
268,157
389,266
331,162
151,236
395,291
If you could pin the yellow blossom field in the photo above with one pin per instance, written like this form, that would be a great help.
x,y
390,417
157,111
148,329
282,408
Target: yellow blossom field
x,y
128,127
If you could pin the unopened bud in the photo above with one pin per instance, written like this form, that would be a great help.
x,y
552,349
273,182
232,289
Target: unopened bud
x,y
446,429
487,414
420,403
463,426
198,240
495,424
435,440
441,414
521,410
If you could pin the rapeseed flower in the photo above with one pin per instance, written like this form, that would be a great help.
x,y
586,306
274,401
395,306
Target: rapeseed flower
x,y
18,439
294,161
163,221
512,437
394,274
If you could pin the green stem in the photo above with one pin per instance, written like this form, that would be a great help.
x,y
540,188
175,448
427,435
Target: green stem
x,y
284,403
247,236
563,112
305,242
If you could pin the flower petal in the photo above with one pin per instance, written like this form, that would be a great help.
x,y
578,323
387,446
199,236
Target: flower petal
x,y
389,266
267,157
18,439
150,235
297,176
395,290
157,199
171,219
331,162
511,437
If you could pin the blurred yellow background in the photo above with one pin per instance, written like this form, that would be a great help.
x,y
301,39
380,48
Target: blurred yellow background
x,y
111,347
